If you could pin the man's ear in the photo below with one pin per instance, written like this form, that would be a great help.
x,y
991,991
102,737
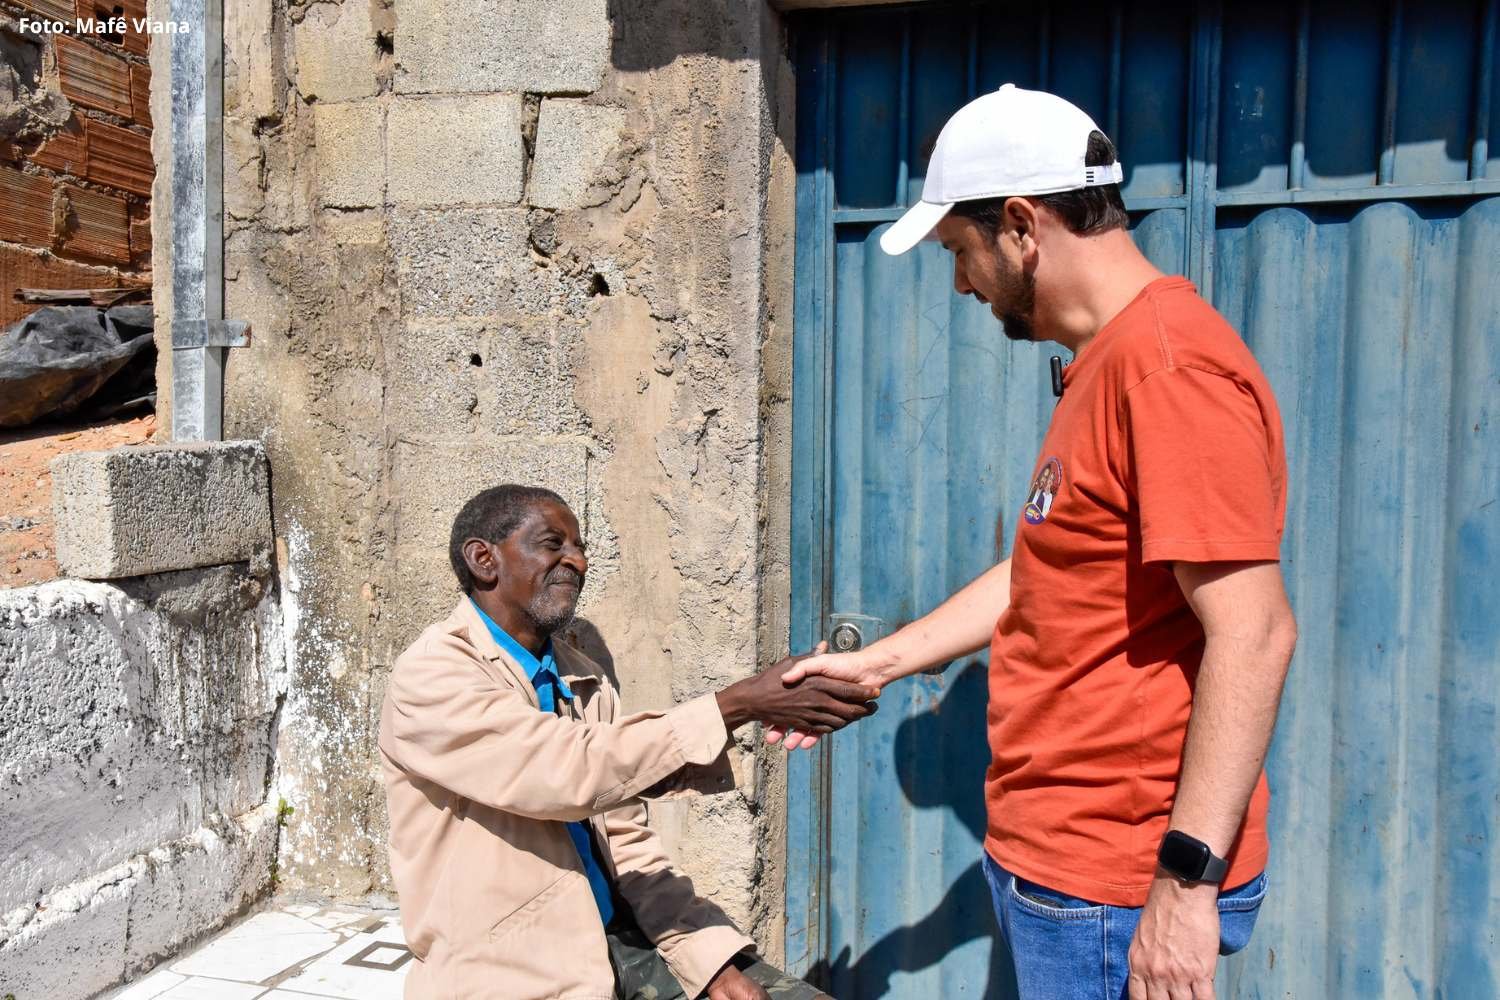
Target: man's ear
x,y
1021,216
479,556
1025,228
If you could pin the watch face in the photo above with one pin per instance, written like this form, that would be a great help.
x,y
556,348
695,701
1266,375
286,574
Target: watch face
x,y
1183,856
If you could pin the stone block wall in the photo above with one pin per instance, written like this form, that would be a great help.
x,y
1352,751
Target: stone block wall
x,y
75,150
136,740
491,240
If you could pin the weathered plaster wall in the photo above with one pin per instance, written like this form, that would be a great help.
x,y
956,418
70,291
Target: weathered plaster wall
x,y
482,241
136,740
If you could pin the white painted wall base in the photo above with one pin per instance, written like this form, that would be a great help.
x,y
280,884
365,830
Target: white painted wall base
x,y
87,936
137,728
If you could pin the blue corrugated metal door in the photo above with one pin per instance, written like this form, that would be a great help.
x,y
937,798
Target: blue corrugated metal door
x,y
1323,172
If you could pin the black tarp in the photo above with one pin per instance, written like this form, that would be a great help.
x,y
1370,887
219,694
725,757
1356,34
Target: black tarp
x,y
78,361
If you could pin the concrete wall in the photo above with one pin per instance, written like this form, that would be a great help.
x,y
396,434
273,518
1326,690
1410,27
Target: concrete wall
x,y
136,734
490,240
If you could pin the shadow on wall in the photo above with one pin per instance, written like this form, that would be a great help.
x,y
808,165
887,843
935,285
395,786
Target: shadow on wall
x,y
584,636
650,36
949,741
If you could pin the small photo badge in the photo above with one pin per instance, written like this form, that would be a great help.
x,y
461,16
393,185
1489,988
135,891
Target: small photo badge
x,y
1043,491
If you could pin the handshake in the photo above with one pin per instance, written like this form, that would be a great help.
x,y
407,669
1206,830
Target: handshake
x,y
803,697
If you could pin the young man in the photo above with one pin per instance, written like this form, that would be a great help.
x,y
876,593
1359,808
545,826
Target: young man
x,y
518,841
1139,632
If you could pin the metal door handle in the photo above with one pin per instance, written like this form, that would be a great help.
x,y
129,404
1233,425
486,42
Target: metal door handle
x,y
848,632
846,638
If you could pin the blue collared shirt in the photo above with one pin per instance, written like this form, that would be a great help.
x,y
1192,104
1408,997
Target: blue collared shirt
x,y
549,688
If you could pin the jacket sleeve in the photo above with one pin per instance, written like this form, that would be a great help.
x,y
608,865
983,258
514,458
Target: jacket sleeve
x,y
447,720
693,935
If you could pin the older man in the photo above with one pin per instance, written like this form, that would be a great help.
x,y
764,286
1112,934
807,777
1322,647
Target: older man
x,y
518,841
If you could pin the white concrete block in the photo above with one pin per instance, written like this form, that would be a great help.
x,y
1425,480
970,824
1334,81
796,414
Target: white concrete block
x,y
252,61
153,509
350,141
455,150
336,52
514,46
573,143
459,262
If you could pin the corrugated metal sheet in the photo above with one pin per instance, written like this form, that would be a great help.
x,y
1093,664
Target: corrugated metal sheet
x,y
1324,172
1379,326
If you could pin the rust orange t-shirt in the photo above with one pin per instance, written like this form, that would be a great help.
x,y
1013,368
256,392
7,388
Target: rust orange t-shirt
x,y
1166,445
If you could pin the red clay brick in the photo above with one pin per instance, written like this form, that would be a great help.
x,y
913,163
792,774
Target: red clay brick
x,y
140,94
57,10
119,158
93,78
140,236
24,269
103,10
25,208
97,226
66,152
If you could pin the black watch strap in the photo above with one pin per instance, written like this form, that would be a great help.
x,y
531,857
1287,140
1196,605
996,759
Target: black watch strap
x,y
1190,859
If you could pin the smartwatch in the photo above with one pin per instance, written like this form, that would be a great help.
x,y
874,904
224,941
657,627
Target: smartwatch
x,y
1189,859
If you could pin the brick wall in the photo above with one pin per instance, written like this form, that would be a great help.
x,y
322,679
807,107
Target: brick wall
x,y
75,151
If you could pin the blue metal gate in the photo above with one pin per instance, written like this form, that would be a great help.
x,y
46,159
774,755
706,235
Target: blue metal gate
x,y
1323,172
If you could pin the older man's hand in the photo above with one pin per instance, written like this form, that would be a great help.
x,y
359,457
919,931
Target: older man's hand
x,y
732,984
868,666
816,705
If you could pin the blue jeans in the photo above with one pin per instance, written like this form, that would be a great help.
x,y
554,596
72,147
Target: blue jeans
x,y
1067,948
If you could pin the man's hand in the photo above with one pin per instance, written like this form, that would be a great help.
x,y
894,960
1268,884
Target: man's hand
x,y
732,984
1176,945
961,625
818,705
868,666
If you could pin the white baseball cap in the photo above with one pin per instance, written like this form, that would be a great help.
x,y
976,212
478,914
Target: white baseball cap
x,y
1008,143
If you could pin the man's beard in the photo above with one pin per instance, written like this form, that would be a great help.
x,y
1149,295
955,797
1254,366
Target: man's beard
x,y
1019,294
553,607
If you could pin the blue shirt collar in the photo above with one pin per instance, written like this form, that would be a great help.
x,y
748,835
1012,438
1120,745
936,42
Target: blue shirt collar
x,y
523,656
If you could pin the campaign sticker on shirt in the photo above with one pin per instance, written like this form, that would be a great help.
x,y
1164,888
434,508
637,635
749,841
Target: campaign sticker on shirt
x,y
1043,491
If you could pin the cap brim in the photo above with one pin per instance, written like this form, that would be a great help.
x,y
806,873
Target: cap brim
x,y
913,227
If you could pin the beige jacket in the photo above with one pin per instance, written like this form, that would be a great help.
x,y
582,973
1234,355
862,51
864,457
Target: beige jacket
x,y
494,900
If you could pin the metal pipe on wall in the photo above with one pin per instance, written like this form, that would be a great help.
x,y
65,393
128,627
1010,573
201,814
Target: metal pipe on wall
x,y
197,62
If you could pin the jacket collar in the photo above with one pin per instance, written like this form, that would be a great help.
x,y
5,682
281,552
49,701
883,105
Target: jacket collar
x,y
465,620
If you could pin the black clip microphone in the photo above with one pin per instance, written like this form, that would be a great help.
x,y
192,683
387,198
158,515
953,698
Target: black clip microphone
x,y
1057,382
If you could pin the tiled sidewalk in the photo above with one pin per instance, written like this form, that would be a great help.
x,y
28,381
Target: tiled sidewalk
x,y
290,953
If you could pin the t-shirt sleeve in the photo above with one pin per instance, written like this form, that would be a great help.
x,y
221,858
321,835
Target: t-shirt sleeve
x,y
1200,469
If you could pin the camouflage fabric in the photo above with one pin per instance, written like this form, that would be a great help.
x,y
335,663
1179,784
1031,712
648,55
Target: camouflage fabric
x,y
642,974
